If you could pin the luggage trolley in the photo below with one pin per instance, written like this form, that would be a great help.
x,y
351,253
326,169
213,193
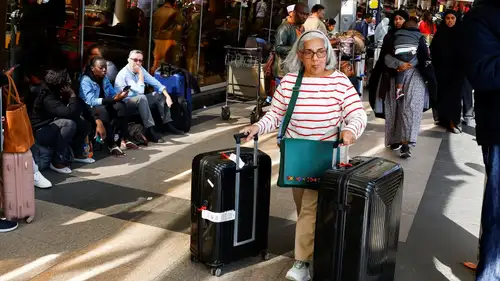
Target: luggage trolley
x,y
347,52
245,77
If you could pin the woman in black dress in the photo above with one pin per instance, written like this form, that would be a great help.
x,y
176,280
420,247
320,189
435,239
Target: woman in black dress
x,y
453,86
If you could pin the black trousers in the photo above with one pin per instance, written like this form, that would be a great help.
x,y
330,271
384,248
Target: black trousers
x,y
467,101
118,113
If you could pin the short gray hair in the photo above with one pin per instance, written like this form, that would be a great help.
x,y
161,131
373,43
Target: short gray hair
x,y
292,62
134,52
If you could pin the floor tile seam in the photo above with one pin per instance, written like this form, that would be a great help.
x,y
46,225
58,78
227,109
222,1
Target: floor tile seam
x,y
434,193
457,162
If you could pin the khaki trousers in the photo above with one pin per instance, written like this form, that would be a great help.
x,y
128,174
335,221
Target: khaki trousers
x,y
306,201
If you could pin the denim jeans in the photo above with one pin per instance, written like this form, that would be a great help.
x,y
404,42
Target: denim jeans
x,y
489,247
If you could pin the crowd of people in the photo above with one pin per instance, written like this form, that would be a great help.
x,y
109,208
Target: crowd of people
x,y
69,122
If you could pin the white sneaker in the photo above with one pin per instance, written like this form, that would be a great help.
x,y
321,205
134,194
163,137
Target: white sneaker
x,y
41,181
84,160
65,170
299,272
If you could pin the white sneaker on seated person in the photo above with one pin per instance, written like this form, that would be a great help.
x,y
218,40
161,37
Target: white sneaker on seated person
x,y
64,170
85,160
40,181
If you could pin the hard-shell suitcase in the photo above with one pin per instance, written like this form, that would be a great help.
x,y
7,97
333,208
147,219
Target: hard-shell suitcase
x,y
230,206
358,217
18,189
175,82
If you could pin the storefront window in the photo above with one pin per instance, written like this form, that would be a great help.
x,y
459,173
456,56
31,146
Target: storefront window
x,y
120,25
43,34
189,34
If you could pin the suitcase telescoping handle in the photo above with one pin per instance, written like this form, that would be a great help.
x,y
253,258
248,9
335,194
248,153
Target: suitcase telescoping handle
x,y
342,194
238,138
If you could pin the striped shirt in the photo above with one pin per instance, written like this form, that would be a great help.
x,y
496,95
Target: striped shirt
x,y
322,104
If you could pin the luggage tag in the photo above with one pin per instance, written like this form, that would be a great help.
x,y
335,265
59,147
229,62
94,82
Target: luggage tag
x,y
216,217
233,158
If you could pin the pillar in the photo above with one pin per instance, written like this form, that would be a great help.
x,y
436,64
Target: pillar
x,y
120,10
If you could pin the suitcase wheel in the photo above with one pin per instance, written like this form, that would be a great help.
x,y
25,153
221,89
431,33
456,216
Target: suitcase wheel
x,y
264,255
29,219
226,113
194,259
216,271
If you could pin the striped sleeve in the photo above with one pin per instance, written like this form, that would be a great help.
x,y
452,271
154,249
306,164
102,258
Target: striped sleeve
x,y
352,110
272,120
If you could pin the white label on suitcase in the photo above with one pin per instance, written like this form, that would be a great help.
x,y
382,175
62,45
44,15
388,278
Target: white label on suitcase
x,y
218,217
210,183
232,157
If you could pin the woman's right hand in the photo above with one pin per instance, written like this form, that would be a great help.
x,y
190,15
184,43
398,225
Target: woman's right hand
x,y
122,95
251,131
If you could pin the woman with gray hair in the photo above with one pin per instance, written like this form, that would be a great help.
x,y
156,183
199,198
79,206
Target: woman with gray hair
x,y
326,101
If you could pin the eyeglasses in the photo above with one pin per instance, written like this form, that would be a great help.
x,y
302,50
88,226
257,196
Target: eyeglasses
x,y
309,54
136,60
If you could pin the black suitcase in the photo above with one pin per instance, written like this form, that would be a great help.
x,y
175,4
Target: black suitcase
x,y
358,216
239,200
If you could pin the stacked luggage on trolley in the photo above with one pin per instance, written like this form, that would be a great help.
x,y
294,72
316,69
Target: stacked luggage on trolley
x,y
358,213
351,54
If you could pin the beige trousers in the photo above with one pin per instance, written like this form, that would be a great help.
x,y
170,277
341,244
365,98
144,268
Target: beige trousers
x,y
306,201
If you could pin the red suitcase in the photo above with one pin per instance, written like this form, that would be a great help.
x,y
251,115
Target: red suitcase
x,y
17,186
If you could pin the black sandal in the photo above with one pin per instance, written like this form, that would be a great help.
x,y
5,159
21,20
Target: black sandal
x,y
116,151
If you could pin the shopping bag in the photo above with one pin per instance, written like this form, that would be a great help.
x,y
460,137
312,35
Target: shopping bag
x,y
18,134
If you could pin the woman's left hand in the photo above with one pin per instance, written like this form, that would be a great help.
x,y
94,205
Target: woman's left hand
x,y
347,137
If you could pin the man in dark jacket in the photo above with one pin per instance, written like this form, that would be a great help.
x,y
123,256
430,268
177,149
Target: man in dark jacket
x,y
286,35
482,60
57,121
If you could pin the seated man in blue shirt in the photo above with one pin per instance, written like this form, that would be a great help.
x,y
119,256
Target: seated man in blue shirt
x,y
135,76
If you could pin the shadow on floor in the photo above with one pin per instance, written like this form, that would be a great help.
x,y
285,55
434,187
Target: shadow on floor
x,y
436,245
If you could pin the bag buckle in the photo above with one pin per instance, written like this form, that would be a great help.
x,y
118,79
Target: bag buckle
x,y
203,206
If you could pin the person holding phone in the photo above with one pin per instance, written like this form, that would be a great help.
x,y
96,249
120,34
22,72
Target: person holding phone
x,y
134,78
106,104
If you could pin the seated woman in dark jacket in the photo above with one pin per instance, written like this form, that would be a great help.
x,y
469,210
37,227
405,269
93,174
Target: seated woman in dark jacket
x,y
99,94
57,121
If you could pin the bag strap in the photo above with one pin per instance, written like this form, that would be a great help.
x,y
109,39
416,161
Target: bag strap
x,y
293,101
12,86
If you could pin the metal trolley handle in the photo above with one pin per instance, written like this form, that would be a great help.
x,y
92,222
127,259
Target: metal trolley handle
x,y
238,138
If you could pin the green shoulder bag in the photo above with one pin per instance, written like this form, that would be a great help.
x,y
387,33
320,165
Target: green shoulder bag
x,y
303,162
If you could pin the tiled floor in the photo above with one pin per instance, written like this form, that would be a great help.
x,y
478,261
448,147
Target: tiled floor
x,y
128,219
